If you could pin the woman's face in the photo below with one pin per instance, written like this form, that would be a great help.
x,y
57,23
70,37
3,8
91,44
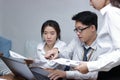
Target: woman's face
x,y
98,4
50,35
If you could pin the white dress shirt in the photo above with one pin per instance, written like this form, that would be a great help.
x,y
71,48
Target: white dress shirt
x,y
74,51
41,61
108,40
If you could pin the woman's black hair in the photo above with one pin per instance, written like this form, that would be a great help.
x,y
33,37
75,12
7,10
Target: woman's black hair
x,y
115,3
52,24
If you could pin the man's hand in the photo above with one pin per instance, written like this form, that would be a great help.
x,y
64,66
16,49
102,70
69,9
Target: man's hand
x,y
56,74
82,68
52,54
28,61
1,54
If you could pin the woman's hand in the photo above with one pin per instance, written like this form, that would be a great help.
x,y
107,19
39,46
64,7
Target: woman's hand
x,y
52,54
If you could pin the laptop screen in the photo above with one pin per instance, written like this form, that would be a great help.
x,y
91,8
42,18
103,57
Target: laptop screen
x,y
18,67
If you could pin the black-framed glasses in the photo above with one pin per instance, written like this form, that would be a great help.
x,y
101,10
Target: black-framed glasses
x,y
80,30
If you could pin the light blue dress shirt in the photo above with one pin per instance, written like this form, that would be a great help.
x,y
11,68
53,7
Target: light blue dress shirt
x,y
74,51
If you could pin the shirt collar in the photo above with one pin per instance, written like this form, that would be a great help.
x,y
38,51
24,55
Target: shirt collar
x,y
104,9
93,45
43,44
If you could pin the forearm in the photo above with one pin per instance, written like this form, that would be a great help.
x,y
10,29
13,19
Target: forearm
x,y
64,55
78,75
107,61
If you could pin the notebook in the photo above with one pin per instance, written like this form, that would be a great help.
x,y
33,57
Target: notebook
x,y
19,67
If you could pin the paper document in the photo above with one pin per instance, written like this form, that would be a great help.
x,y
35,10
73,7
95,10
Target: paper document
x,y
67,62
2,79
16,55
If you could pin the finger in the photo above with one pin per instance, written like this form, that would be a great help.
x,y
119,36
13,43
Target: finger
x,y
76,67
47,55
51,57
55,56
52,76
55,77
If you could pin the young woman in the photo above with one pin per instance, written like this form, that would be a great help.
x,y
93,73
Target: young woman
x,y
50,33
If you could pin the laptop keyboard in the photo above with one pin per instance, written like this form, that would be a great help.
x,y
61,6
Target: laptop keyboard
x,y
39,76
39,73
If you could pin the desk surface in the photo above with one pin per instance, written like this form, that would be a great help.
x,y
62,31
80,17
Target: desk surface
x,y
11,77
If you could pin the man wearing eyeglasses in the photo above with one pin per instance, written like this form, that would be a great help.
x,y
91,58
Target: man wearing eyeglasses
x,y
81,48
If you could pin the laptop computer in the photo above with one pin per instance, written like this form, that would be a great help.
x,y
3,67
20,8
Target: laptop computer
x,y
20,68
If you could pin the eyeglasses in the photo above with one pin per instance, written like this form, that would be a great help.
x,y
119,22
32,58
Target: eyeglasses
x,y
80,30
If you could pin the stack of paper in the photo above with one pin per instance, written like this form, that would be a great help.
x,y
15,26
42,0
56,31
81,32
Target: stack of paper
x,y
67,62
2,79
16,55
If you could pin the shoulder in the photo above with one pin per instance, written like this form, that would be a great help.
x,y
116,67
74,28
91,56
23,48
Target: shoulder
x,y
113,11
40,45
76,40
60,42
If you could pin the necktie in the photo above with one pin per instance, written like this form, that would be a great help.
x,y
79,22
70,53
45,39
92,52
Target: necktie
x,y
85,53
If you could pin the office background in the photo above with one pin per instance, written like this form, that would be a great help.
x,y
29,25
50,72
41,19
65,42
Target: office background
x,y
21,20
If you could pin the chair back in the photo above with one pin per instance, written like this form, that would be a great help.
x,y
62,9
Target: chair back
x,y
5,46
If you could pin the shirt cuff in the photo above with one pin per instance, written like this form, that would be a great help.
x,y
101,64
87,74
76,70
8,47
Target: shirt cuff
x,y
69,74
92,66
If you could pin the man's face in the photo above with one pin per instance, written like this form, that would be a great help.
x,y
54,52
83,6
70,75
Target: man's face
x,y
84,32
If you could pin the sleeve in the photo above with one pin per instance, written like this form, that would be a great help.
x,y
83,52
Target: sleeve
x,y
112,58
67,52
107,61
3,68
41,61
77,75
114,27
60,45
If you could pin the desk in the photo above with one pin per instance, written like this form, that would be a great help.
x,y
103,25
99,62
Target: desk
x,y
11,77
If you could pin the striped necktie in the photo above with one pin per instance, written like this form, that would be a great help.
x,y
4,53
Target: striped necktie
x,y
85,53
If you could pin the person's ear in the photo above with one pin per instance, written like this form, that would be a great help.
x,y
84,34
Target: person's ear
x,y
93,27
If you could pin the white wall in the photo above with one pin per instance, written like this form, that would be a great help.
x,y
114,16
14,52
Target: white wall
x,y
23,18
